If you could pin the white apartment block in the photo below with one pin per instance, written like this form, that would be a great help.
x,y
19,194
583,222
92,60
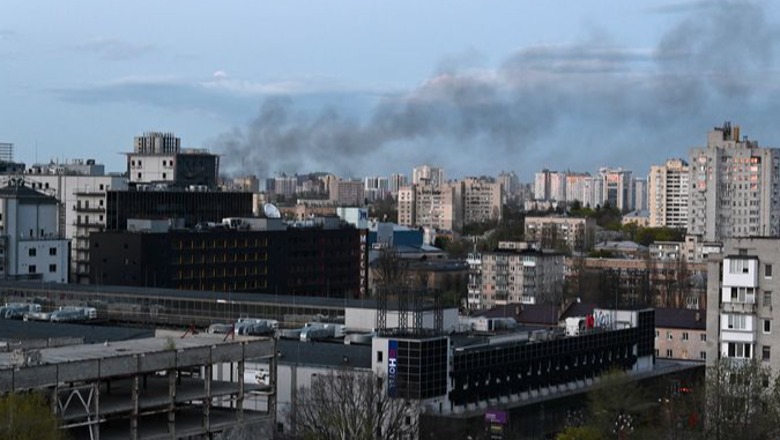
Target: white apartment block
x,y
507,276
482,201
668,189
640,193
735,187
426,174
30,241
397,181
576,234
82,207
550,185
376,188
742,299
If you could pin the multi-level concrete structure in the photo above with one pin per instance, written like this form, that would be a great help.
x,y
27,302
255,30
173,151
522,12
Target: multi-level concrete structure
x,y
743,286
575,234
347,192
668,190
376,188
513,274
190,387
735,187
157,159
30,242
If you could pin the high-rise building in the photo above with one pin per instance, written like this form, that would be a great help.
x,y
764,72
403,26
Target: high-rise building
x,y
668,189
482,200
640,193
578,187
735,187
377,188
397,181
436,207
426,174
511,184
617,189
542,185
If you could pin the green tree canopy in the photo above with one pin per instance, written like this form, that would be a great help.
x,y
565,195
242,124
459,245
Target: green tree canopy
x,y
28,416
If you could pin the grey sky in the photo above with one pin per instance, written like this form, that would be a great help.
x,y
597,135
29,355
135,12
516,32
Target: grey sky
x,y
359,87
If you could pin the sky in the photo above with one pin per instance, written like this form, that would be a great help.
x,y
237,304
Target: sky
x,y
362,88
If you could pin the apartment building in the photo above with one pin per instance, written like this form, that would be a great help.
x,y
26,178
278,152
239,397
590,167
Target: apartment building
x,y
734,187
680,334
514,275
482,200
426,174
743,288
429,206
577,234
617,188
668,189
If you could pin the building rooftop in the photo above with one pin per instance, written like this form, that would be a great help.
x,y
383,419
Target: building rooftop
x,y
14,331
681,318
323,353
530,314
18,190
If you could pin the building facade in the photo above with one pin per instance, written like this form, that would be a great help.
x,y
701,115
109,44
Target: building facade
x,y
617,189
575,234
735,187
482,201
157,159
743,288
31,245
668,189
507,276
427,175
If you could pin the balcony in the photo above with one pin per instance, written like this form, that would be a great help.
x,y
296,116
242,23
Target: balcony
x,y
89,223
737,307
89,209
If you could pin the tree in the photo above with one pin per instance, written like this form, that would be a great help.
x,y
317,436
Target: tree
x,y
616,399
28,416
348,404
741,398
579,433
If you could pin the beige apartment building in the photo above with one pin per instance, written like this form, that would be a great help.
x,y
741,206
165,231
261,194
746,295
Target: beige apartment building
x,y
518,275
482,201
680,334
576,234
429,206
668,189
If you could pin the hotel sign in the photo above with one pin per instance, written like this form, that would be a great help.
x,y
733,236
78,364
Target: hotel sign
x,y
392,368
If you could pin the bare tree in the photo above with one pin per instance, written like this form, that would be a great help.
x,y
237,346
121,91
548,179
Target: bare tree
x,y
740,400
353,405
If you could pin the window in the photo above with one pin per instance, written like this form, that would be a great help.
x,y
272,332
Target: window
x,y
767,326
656,353
52,268
379,356
657,334
52,251
703,337
737,322
669,353
765,352
738,350
165,176
767,299
669,336
32,252
737,266
703,355
139,175
685,336
32,269
767,271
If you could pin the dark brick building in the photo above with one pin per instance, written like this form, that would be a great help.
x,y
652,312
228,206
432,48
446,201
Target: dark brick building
x,y
310,261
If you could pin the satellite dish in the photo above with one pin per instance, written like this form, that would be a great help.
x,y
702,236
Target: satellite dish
x,y
271,211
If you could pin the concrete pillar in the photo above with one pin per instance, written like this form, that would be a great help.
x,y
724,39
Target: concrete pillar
x,y
207,399
240,397
134,394
96,426
172,405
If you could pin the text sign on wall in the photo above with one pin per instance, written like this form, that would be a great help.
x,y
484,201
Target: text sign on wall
x,y
392,367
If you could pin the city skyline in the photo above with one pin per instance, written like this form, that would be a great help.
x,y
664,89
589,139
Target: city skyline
x,y
366,90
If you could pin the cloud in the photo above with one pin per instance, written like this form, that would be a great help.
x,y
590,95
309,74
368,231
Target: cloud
x,y
114,49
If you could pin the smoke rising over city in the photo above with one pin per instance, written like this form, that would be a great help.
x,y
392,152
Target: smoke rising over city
x,y
587,104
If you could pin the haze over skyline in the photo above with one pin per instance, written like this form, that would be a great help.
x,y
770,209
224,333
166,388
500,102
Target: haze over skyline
x,y
366,88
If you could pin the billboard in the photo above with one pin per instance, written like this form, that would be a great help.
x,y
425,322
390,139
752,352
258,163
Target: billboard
x,y
392,368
